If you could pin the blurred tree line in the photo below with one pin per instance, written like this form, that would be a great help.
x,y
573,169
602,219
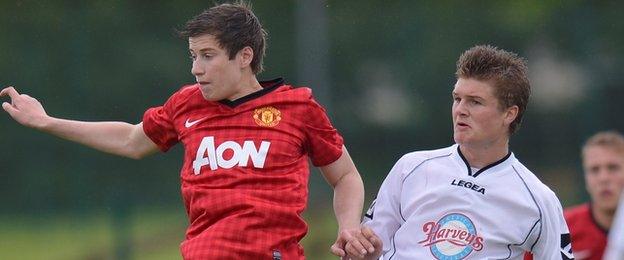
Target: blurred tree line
x,y
391,69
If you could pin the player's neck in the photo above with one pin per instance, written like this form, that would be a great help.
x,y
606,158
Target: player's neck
x,y
603,218
479,156
247,85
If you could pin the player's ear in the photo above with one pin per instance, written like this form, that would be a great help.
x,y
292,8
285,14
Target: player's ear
x,y
510,114
245,56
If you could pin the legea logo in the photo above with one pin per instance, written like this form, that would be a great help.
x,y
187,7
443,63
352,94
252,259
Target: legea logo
x,y
454,236
207,154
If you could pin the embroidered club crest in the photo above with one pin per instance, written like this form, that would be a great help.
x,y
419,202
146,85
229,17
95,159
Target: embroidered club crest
x,y
267,116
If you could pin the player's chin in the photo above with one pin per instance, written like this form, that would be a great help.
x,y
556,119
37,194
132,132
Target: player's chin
x,y
460,137
608,205
210,95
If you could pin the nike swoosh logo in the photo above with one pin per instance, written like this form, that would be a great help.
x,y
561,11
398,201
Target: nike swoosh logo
x,y
188,123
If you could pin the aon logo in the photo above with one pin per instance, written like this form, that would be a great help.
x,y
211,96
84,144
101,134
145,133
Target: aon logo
x,y
207,154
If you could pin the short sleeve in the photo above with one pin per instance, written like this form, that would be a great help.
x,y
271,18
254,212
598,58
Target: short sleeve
x,y
158,125
384,216
554,238
324,143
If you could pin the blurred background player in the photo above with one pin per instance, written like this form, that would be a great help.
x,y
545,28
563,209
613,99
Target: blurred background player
x,y
603,166
473,199
247,143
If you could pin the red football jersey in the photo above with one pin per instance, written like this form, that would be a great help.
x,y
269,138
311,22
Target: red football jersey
x,y
245,172
588,239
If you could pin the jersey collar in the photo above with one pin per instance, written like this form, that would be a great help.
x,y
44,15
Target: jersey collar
x,y
492,167
267,87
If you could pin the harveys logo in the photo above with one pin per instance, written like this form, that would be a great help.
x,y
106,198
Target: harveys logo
x,y
454,236
267,116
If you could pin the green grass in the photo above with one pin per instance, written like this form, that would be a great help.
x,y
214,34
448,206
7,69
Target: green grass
x,y
154,234
52,237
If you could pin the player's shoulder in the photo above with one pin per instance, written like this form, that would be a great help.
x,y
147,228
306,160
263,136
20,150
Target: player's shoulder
x,y
423,155
410,161
184,93
187,90
534,185
298,94
292,93
299,99
184,97
528,177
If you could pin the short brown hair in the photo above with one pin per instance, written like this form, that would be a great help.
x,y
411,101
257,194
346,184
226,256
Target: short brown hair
x,y
505,70
608,139
234,26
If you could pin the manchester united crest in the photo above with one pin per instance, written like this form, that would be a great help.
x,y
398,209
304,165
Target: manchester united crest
x,y
267,116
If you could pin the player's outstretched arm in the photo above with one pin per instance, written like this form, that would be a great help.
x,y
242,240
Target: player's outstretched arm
x,y
348,198
118,138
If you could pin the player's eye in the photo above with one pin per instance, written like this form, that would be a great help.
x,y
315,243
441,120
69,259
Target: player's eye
x,y
613,167
192,57
475,102
594,170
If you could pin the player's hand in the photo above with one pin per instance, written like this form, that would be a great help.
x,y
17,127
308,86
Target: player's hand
x,y
25,109
353,243
370,240
344,236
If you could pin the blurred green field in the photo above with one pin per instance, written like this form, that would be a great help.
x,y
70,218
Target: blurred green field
x,y
152,234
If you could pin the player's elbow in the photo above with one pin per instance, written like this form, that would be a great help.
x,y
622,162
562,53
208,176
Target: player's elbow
x,y
135,155
351,183
136,151
132,150
137,145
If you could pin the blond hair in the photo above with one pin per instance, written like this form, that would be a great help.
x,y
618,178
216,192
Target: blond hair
x,y
607,139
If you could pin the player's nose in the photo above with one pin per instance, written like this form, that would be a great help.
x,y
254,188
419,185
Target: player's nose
x,y
196,68
603,176
459,109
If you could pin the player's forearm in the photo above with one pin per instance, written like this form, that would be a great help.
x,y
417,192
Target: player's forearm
x,y
349,200
110,137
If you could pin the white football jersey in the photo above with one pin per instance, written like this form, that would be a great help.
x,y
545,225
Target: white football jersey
x,y
615,244
432,205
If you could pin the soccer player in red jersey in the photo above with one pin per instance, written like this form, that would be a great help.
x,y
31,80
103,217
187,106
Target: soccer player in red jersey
x,y
246,145
589,223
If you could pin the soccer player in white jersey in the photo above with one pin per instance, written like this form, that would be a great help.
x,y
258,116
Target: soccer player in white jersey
x,y
615,244
474,199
